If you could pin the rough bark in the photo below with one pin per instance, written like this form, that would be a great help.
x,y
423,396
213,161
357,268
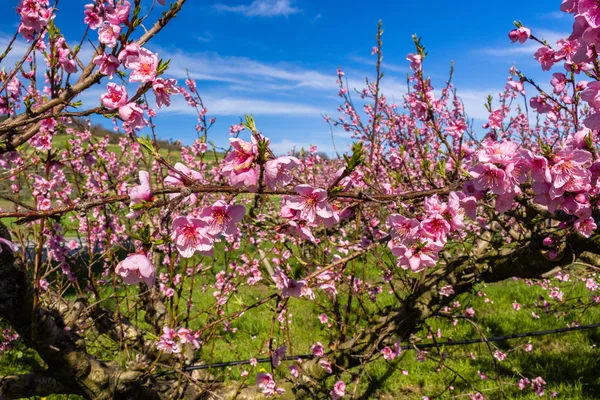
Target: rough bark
x,y
64,353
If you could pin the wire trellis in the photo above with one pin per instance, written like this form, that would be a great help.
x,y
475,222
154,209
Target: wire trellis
x,y
403,347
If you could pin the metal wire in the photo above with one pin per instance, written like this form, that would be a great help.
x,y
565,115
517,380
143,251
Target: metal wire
x,y
403,347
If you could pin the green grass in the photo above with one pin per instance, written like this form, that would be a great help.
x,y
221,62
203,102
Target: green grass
x,y
568,362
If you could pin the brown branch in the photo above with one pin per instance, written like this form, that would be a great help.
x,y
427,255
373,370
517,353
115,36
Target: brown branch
x,y
88,204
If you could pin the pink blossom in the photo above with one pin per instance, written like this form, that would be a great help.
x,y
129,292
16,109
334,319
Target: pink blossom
x,y
136,268
92,18
545,56
538,166
318,350
278,355
517,86
497,152
277,171
34,17
403,228
140,193
339,390
143,66
559,81
567,49
119,14
590,9
108,34
167,341
11,246
43,203
538,386
129,54
586,226
183,176
290,287
415,61
488,176
240,165
388,353
569,6
446,291
108,64
221,217
540,105
133,115
500,356
266,383
326,365
521,34
591,94
163,89
523,383
418,256
115,97
455,213
436,228
592,121
312,205
191,235
186,336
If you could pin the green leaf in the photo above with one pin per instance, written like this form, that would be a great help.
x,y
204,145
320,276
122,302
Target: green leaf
x,y
249,124
146,142
162,66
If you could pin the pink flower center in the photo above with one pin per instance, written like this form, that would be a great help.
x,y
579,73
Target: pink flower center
x,y
219,220
311,200
146,68
191,234
492,177
242,160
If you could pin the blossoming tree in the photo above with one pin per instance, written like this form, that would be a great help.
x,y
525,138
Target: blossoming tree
x,y
152,254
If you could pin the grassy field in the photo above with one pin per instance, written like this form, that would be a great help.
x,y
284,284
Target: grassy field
x,y
568,362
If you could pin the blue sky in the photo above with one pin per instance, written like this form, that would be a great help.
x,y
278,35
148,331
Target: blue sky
x,y
277,59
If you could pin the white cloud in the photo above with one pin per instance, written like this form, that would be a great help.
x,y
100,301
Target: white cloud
x,y
371,62
557,15
245,72
206,38
262,8
230,106
474,102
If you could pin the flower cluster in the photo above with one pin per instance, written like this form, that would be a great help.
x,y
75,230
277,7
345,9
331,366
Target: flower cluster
x,y
35,15
417,242
171,340
562,179
191,234
136,268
